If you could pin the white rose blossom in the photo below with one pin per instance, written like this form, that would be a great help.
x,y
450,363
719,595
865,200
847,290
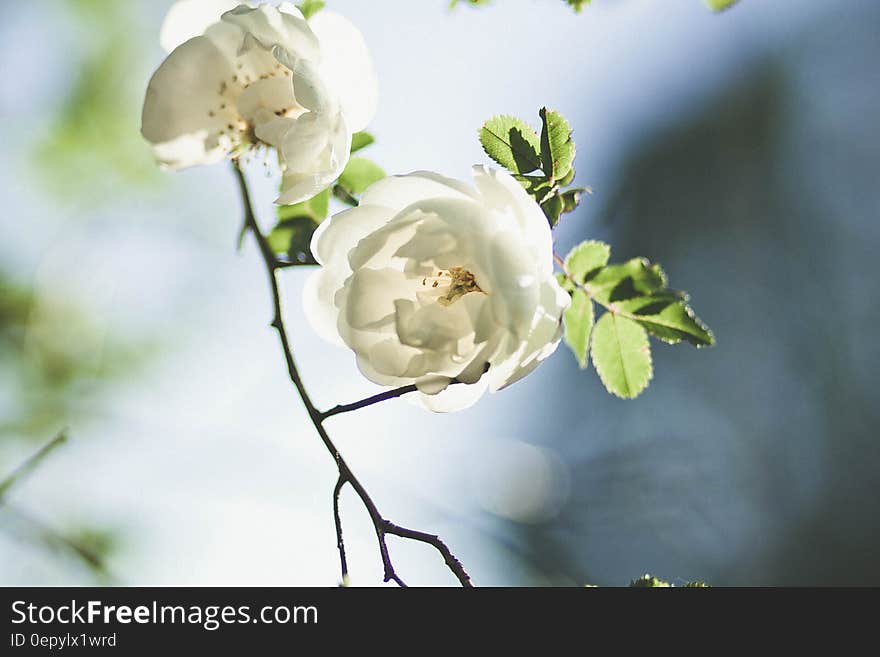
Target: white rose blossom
x,y
430,280
260,76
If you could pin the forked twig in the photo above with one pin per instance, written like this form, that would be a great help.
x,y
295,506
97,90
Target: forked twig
x,y
382,526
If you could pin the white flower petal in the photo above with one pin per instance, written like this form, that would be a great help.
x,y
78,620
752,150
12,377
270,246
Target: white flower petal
x,y
190,18
268,96
272,27
453,398
239,76
543,339
313,154
380,246
348,67
432,327
339,234
370,306
309,87
502,192
271,129
318,306
398,192
389,358
515,288
190,150
306,142
184,100
430,280
373,375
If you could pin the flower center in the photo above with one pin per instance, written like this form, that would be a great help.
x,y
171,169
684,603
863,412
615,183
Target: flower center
x,y
454,283
261,103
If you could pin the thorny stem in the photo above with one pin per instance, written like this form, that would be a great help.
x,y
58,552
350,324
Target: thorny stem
x,y
337,519
382,526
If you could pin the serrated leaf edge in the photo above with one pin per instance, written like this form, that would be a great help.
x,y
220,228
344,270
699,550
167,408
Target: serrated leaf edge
x,y
522,124
583,363
541,138
598,368
580,245
641,319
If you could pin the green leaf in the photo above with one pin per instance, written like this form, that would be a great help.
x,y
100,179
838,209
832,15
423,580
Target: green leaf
x,y
359,174
720,5
633,278
512,143
361,140
565,282
311,7
648,581
577,5
557,145
293,237
622,355
571,199
316,208
537,187
296,224
567,180
552,208
585,258
578,326
667,316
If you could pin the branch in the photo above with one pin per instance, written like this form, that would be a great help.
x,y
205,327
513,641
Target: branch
x,y
610,307
375,399
43,532
346,476
451,560
340,543
343,195
55,539
369,401
25,468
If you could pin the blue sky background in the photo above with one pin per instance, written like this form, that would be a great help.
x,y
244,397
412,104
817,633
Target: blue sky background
x,y
202,460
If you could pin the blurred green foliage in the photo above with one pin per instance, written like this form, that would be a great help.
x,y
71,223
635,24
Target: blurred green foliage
x,y
311,7
57,360
578,5
93,141
720,5
648,581
89,545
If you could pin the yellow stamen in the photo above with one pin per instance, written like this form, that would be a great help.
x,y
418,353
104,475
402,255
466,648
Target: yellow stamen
x,y
458,282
